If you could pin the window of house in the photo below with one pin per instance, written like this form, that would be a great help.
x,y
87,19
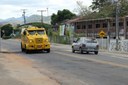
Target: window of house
x,y
84,27
89,26
127,23
114,24
78,26
97,25
120,23
105,25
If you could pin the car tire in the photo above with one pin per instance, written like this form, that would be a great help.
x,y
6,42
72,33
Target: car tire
x,y
96,52
48,50
81,51
26,51
22,49
73,51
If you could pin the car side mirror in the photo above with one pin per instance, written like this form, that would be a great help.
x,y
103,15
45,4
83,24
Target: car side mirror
x,y
24,33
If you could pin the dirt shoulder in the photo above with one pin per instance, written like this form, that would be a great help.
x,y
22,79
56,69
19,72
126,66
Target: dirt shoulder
x,y
23,71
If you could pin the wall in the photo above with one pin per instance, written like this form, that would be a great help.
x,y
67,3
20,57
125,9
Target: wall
x,y
122,44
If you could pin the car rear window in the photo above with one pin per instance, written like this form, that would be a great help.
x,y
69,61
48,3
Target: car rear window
x,y
91,41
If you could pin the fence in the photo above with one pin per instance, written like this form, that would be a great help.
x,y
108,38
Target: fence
x,y
103,43
122,45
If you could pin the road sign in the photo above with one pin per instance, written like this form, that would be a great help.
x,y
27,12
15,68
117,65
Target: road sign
x,y
102,33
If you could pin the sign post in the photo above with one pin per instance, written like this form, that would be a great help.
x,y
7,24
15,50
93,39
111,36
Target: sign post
x,y
102,34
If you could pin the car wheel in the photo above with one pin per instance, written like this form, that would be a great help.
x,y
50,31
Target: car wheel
x,y
73,51
96,52
48,50
22,49
81,51
26,51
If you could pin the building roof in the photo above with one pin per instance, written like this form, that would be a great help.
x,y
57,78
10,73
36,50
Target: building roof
x,y
82,19
73,20
99,19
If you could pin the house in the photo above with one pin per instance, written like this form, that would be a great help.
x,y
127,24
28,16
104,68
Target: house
x,y
92,27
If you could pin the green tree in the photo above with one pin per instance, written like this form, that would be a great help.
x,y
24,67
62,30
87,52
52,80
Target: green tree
x,y
123,8
54,19
106,11
99,4
61,16
7,29
105,8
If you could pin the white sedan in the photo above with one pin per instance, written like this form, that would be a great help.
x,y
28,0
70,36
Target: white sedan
x,y
83,44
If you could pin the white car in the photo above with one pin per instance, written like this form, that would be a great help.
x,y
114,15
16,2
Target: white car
x,y
83,44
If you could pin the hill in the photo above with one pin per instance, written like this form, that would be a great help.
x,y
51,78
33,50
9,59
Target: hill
x,y
29,19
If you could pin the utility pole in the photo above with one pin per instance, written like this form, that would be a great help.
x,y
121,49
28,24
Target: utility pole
x,y
108,35
47,12
117,24
24,11
41,14
0,40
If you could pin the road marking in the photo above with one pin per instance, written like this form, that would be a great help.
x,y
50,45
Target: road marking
x,y
94,60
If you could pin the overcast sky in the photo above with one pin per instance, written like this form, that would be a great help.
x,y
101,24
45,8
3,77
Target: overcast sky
x,y
13,8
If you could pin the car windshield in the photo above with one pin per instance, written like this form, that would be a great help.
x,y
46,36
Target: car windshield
x,y
31,32
91,41
41,32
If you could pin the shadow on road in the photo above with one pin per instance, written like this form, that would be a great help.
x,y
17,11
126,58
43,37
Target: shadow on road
x,y
9,52
90,53
17,52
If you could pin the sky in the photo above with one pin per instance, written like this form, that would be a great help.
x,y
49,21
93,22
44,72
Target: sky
x,y
14,8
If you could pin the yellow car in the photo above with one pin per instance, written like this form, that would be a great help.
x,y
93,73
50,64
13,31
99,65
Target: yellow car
x,y
34,38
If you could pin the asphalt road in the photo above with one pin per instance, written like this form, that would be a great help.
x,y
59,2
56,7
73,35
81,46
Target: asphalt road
x,y
69,68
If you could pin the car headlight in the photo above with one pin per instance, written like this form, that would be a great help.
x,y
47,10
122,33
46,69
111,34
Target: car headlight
x,y
46,40
30,41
